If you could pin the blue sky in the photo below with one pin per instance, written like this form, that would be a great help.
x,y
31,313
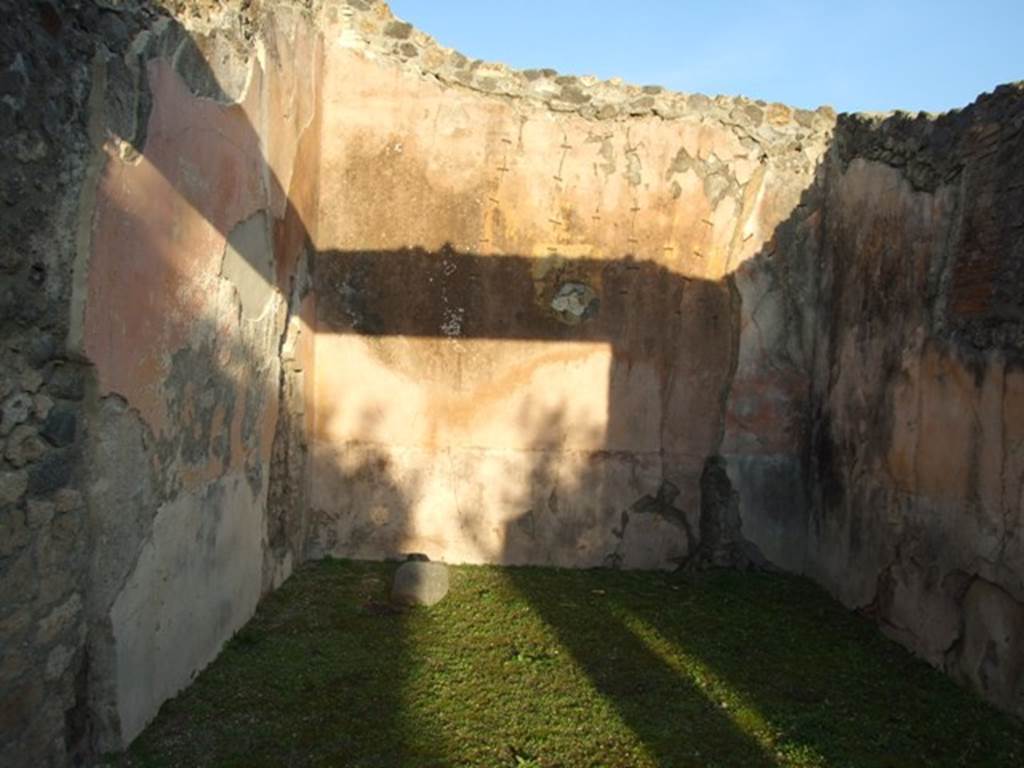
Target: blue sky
x,y
852,54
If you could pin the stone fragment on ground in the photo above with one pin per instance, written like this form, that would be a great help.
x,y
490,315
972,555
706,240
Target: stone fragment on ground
x,y
419,583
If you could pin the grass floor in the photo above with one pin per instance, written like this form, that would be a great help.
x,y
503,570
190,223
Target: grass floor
x,y
526,667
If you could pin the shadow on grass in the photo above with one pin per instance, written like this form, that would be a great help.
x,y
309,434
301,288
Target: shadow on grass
x,y
316,678
677,722
829,689
536,668
748,669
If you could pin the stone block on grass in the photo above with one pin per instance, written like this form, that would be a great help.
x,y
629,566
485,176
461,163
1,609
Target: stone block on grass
x,y
419,583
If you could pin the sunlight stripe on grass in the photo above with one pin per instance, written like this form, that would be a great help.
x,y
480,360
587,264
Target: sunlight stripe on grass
x,y
733,705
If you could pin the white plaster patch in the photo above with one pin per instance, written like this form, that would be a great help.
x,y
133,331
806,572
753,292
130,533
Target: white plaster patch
x,y
196,582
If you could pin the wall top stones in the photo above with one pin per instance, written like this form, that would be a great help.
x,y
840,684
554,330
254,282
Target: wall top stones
x,y
919,143
932,149
922,144
369,26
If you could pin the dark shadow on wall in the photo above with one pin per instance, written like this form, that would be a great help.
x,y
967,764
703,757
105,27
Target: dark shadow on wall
x,y
672,341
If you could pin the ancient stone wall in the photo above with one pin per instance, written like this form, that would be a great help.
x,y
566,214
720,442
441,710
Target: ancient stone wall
x,y
919,436
156,317
43,520
554,320
187,290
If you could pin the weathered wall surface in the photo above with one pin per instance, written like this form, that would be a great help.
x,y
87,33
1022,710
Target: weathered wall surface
x,y
527,327
188,285
141,421
920,439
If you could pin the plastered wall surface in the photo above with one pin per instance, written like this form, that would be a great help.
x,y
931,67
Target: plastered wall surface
x,y
527,322
185,299
290,279
183,320
919,441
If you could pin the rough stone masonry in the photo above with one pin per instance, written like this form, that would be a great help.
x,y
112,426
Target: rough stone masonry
x,y
282,279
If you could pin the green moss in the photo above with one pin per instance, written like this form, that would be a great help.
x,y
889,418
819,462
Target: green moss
x,y
541,667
